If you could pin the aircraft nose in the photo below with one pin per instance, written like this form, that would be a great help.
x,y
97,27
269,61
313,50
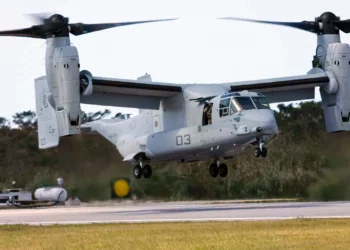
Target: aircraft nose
x,y
269,124
266,122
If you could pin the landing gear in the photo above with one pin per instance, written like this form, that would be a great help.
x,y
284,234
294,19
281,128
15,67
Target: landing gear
x,y
223,170
216,170
213,169
260,152
257,152
138,172
146,171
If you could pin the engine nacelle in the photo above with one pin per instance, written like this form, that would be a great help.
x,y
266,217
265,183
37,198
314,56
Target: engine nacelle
x,y
336,95
63,80
86,88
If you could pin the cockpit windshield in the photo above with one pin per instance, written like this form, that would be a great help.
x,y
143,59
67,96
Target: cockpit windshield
x,y
241,103
261,102
231,105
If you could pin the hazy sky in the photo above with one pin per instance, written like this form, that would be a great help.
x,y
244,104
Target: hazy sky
x,y
197,48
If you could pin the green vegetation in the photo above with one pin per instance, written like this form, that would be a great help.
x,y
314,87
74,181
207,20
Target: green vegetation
x,y
295,234
303,162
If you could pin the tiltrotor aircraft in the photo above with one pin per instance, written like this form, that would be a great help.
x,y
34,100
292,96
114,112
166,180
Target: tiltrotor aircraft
x,y
183,122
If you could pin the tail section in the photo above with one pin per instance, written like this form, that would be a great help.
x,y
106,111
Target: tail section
x,y
52,123
104,127
54,118
147,78
48,131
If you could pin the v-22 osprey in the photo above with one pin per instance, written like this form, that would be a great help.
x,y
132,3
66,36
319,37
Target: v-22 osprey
x,y
183,122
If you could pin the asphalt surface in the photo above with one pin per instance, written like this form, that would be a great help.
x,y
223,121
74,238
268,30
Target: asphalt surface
x,y
173,212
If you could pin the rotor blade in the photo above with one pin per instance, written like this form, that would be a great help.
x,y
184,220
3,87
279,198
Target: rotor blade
x,y
343,25
39,18
32,32
304,25
81,28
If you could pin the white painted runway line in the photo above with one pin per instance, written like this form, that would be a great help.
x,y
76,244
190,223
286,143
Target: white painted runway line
x,y
163,212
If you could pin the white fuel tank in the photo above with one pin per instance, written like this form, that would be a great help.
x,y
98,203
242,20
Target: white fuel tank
x,y
51,194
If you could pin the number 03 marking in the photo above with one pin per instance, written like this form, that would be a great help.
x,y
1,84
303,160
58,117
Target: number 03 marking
x,y
187,139
183,140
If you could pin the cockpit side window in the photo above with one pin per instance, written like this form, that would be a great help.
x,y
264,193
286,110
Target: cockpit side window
x,y
261,102
224,107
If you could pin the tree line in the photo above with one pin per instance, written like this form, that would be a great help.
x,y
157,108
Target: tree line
x,y
303,161
28,119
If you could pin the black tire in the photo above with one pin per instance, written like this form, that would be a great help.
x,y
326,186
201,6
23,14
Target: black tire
x,y
213,170
223,170
264,152
257,152
137,172
147,171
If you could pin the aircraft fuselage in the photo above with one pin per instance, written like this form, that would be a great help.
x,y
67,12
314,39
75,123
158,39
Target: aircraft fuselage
x,y
227,129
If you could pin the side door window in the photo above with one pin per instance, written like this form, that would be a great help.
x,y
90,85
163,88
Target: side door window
x,y
207,114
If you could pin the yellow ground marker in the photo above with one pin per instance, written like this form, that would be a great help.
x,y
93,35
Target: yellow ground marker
x,y
121,188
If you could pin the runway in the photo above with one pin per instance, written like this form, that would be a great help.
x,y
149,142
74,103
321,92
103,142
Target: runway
x,y
174,212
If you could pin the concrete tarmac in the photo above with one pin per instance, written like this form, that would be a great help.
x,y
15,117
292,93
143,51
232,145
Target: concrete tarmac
x,y
174,212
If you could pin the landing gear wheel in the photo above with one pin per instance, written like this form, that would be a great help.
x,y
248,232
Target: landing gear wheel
x,y
257,152
264,152
138,171
223,170
213,169
147,171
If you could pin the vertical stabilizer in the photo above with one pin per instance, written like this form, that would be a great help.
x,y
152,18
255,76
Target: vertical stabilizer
x,y
146,78
48,132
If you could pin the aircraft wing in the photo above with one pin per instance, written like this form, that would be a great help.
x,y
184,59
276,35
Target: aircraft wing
x,y
141,93
145,94
284,89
